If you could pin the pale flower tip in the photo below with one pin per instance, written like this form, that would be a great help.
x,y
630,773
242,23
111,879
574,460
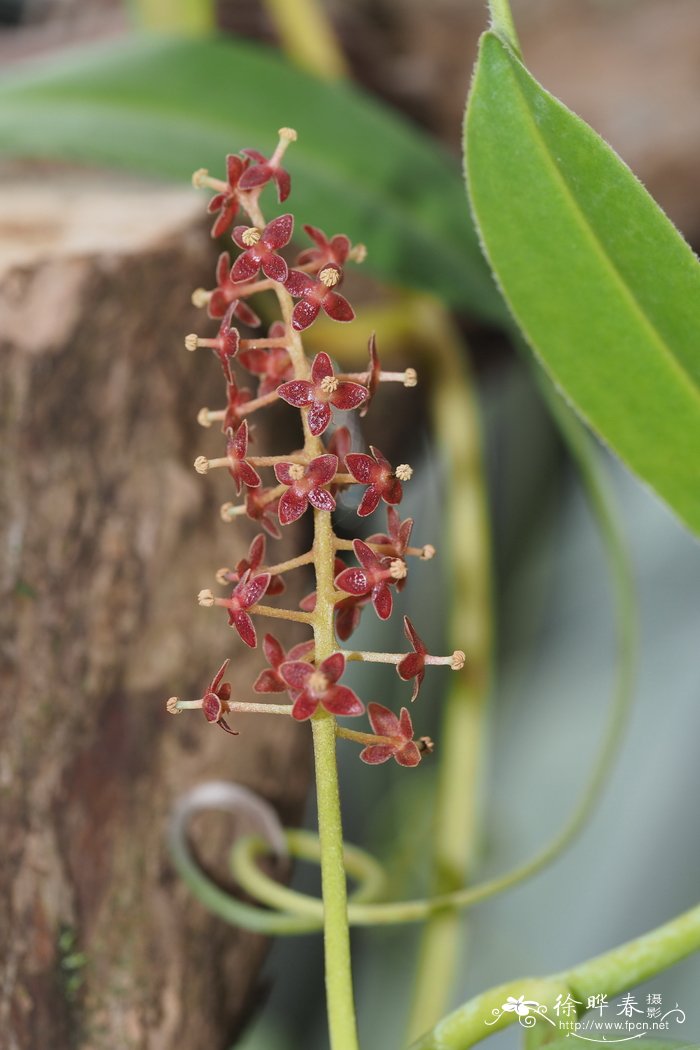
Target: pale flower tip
x,y
428,552
203,417
201,465
410,377
458,660
172,706
200,297
404,472
358,253
296,472
198,178
191,341
205,598
225,511
397,569
329,276
222,576
251,236
425,745
288,134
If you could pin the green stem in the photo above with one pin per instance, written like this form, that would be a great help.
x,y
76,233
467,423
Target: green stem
x,y
503,25
190,18
609,973
306,35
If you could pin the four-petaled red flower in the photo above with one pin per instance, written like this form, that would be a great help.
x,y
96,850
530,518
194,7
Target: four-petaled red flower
x,y
399,733
260,250
318,685
260,173
236,451
316,294
270,680
333,251
305,487
246,593
372,576
413,664
215,700
253,561
227,202
323,391
259,507
273,364
347,611
236,397
229,296
377,472
396,538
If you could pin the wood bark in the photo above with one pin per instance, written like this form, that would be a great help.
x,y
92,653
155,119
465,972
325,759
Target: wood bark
x,y
108,534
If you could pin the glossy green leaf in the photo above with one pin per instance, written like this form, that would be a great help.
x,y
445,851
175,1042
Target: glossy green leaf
x,y
169,106
602,285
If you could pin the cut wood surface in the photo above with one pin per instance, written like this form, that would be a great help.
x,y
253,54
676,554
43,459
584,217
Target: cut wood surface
x,y
108,534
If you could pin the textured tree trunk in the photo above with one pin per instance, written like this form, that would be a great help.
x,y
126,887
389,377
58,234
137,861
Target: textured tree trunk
x,y
108,534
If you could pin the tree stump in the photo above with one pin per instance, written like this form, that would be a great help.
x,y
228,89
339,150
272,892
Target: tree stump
x,y
108,534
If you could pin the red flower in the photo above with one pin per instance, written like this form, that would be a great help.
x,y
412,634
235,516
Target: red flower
x,y
236,397
374,370
347,611
227,203
399,731
323,391
399,534
260,250
273,364
259,507
246,593
327,252
236,451
228,296
305,487
215,700
372,577
255,558
413,664
317,685
317,293
377,472
262,171
270,680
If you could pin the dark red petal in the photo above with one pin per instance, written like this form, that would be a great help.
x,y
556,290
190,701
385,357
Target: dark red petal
x,y
224,219
333,666
274,653
337,307
245,268
347,617
256,551
392,491
382,601
246,315
321,499
406,724
304,706
255,154
247,474
284,183
349,396
323,468
352,581
234,167
369,502
211,707
383,721
296,673
316,235
319,417
255,176
291,507
409,755
404,532
224,693
244,625
216,202
380,457
274,267
278,233
252,591
268,682
411,665
237,235
255,360
321,368
223,267
301,649
375,754
413,636
240,440
223,724
304,314
340,700
308,604
298,393
365,555
297,283
340,443
216,680
360,466
282,473
278,586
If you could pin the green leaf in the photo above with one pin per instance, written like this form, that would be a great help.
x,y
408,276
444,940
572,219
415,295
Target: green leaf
x,y
602,285
168,106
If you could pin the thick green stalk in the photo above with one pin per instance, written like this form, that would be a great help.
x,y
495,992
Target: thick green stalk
x,y
307,37
502,23
184,17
